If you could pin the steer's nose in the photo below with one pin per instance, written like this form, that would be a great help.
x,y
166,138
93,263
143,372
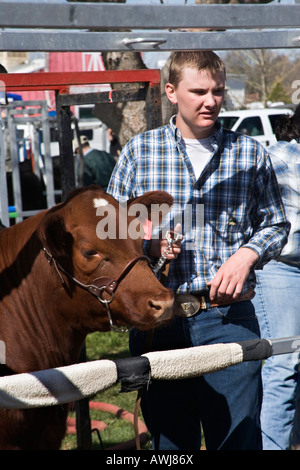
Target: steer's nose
x,y
162,308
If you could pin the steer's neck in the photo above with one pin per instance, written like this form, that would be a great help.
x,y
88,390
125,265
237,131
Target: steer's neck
x,y
63,341
35,334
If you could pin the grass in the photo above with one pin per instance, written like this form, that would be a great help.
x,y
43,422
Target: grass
x,y
110,346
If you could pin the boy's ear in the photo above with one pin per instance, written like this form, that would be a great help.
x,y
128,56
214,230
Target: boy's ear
x,y
171,93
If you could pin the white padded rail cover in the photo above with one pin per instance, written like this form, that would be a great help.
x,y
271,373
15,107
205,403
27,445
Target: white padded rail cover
x,y
56,386
71,383
192,362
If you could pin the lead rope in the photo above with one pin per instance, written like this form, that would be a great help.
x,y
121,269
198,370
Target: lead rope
x,y
171,238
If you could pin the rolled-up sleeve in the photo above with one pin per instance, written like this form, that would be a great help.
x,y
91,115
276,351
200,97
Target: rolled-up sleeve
x,y
122,181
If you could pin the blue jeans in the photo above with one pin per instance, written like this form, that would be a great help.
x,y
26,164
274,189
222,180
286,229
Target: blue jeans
x,y
226,403
278,311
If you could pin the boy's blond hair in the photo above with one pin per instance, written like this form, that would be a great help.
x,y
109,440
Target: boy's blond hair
x,y
199,60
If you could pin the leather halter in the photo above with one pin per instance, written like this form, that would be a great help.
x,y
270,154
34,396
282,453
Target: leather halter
x,y
100,284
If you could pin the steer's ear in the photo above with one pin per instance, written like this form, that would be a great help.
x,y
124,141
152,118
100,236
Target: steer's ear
x,y
157,205
54,236
153,197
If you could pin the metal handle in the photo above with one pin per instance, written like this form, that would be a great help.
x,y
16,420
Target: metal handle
x,y
154,42
171,238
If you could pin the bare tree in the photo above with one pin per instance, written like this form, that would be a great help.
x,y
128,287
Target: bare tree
x,y
125,119
263,69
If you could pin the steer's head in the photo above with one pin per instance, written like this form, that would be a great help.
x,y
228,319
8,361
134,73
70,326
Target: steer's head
x,y
92,239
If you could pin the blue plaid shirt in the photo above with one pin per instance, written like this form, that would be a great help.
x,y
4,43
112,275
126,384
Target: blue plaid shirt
x,y
285,157
237,191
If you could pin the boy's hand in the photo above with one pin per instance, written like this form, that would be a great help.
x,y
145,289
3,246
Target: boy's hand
x,y
158,246
228,283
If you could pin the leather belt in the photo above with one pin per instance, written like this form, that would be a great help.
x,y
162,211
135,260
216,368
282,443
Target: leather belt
x,y
188,305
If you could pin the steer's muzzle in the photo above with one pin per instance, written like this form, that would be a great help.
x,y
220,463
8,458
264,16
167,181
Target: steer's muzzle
x,y
161,310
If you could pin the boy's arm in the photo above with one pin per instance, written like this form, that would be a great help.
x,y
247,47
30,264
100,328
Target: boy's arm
x,y
228,283
270,234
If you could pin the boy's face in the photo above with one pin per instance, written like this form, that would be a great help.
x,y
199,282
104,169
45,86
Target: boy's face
x,y
199,98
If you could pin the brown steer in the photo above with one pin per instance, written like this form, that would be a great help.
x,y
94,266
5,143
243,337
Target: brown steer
x,y
58,282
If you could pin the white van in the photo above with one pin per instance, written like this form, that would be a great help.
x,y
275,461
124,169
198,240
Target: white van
x,y
258,123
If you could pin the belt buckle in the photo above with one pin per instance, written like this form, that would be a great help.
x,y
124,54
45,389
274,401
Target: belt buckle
x,y
187,305
203,304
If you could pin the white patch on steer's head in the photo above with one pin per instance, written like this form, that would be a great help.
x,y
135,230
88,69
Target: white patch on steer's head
x,y
100,202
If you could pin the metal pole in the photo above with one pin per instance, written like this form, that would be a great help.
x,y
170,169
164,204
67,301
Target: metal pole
x,y
3,183
47,157
81,160
65,144
83,421
153,106
285,345
14,152
36,150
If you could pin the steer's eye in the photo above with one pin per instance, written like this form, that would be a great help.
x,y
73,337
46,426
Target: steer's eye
x,y
89,253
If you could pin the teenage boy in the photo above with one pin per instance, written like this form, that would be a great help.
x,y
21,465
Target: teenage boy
x,y
230,176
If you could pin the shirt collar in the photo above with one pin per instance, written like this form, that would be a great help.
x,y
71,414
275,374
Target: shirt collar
x,y
216,138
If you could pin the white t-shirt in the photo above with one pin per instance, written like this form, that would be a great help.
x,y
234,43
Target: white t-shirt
x,y
199,152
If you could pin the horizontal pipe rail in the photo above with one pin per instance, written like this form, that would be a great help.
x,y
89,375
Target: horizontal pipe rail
x,y
106,17
166,41
71,383
62,81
